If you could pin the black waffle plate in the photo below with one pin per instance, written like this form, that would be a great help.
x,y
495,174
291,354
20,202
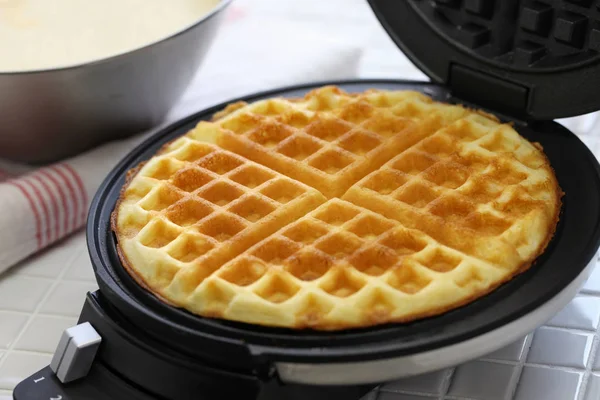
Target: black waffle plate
x,y
575,243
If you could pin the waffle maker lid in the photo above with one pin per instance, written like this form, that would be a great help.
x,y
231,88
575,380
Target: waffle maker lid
x,y
532,60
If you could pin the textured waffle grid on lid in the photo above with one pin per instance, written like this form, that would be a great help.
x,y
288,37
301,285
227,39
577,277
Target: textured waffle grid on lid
x,y
536,34
332,139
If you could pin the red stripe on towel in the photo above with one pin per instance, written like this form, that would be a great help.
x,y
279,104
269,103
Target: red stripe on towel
x,y
82,191
63,201
53,222
44,207
72,195
32,205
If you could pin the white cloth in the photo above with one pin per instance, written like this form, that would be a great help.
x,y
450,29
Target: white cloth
x,y
41,206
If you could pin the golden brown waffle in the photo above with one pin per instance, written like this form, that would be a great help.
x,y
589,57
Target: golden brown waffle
x,y
330,139
196,206
341,266
337,210
474,185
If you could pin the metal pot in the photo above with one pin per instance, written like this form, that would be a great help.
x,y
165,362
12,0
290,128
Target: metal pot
x,y
52,114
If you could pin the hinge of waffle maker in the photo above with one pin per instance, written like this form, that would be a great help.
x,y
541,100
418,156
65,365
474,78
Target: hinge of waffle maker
x,y
484,90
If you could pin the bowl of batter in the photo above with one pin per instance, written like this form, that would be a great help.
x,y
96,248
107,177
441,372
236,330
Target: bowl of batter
x,y
75,74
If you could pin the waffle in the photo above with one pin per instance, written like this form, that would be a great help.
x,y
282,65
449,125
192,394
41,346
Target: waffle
x,y
337,210
196,206
330,139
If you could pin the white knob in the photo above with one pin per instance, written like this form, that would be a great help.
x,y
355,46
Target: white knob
x,y
75,352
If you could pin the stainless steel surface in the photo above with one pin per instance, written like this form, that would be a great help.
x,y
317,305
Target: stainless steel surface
x,y
394,368
75,352
49,115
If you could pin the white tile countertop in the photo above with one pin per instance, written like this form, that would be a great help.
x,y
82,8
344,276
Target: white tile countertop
x,y
560,361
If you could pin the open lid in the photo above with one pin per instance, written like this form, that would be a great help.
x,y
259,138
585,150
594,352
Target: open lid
x,y
524,58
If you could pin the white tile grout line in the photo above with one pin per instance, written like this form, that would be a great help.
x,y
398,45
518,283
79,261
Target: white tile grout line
x,y
447,382
49,278
591,359
568,330
518,372
583,292
460,398
42,314
589,293
15,312
32,352
536,365
39,306
432,396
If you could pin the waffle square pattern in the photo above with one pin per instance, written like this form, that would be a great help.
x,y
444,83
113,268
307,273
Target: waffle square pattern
x,y
336,210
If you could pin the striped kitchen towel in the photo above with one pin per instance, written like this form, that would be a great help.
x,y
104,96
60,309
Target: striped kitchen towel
x,y
41,206
56,199
38,207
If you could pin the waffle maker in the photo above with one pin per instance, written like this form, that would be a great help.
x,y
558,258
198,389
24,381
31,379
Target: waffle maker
x,y
525,61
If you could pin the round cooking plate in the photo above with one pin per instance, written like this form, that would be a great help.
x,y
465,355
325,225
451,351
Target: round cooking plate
x,y
576,241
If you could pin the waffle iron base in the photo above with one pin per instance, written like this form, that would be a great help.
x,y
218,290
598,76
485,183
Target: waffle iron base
x,y
152,350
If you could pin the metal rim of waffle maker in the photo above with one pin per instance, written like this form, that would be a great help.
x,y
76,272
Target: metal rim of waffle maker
x,y
131,345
